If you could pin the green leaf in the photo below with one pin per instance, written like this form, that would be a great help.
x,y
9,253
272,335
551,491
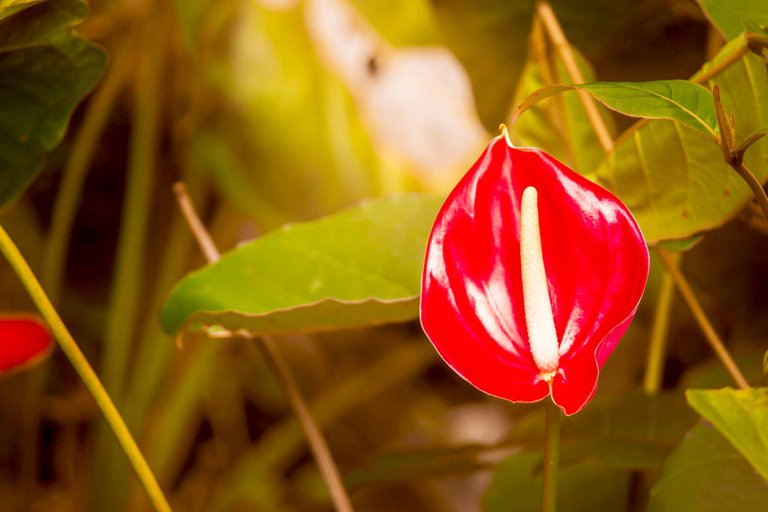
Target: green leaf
x,y
741,416
732,18
517,485
45,70
677,100
673,178
706,474
358,267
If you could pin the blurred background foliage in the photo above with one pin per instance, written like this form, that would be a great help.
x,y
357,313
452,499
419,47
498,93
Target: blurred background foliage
x,y
275,111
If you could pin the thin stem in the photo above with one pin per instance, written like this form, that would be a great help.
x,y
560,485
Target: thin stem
x,y
84,369
83,149
201,234
551,456
654,369
315,439
706,75
734,154
701,318
154,348
754,184
555,32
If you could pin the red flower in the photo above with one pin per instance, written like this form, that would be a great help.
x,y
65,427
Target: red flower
x,y
24,340
532,275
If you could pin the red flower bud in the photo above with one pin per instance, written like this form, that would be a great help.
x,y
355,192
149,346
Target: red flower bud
x,y
24,340
532,275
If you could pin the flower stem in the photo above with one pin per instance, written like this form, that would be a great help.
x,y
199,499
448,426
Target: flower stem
x,y
315,439
551,456
84,369
701,318
563,47
754,184
654,369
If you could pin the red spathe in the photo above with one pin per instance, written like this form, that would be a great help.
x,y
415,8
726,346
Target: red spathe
x,y
596,264
24,340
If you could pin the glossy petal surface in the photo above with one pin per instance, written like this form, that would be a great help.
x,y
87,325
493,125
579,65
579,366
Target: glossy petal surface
x,y
24,340
472,309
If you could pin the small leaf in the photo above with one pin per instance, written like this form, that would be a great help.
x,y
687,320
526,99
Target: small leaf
x,y
677,100
706,474
741,416
732,18
45,69
358,267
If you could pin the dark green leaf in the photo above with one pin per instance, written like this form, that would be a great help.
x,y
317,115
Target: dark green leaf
x,y
741,416
732,18
677,100
706,474
358,267
45,70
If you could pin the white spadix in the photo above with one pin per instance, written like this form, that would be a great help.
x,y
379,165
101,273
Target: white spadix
x,y
539,319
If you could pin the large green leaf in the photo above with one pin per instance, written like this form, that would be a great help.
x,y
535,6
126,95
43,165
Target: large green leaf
x,y
45,70
673,178
358,267
741,416
731,18
677,100
706,474
517,485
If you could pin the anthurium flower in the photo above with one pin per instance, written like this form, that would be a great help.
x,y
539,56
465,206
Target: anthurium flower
x,y
532,275
24,340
